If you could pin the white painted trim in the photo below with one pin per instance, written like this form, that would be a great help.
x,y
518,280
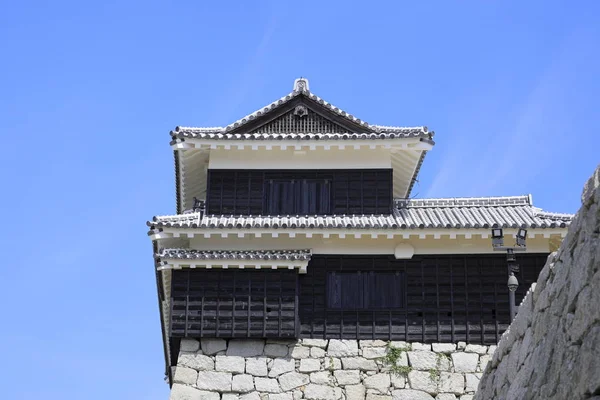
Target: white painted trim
x,y
396,143
373,234
301,266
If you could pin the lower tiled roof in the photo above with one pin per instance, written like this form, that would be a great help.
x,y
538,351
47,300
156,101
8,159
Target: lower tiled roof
x,y
457,213
190,254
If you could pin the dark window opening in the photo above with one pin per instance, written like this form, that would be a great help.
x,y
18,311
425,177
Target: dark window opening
x,y
365,290
301,196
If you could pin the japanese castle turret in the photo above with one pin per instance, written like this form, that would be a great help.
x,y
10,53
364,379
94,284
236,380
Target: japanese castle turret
x,y
297,259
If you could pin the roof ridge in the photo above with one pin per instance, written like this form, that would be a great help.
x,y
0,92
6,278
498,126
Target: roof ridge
x,y
524,200
549,214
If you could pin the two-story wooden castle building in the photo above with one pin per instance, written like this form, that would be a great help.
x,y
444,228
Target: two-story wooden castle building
x,y
297,221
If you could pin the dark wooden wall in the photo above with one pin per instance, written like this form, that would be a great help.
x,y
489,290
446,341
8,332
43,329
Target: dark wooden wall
x,y
242,192
448,298
234,303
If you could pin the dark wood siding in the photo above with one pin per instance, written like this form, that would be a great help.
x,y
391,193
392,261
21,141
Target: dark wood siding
x,y
234,303
243,192
448,298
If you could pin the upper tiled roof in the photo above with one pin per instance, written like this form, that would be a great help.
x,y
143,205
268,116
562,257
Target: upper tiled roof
x,y
457,213
301,88
397,133
190,254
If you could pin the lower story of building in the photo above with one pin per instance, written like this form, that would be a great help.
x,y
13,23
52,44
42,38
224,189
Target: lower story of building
x,y
427,299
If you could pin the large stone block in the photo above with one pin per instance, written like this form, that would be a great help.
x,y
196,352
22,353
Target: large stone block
x,y
198,362
245,348
483,362
317,352
420,346
424,381
267,385
230,364
471,382
189,345
359,363
256,366
276,350
300,352
292,380
379,382
322,343
398,381
242,383
373,352
347,377
250,396
373,396
451,383
185,375
230,396
476,348
445,348
465,362
281,396
321,378
409,394
310,365
322,392
183,392
342,348
355,392
217,381
372,343
445,396
213,346
423,360
281,366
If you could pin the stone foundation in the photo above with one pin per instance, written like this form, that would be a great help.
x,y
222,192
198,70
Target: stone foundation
x,y
317,369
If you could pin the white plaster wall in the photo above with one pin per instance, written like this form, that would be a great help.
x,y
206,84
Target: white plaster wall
x,y
362,245
334,158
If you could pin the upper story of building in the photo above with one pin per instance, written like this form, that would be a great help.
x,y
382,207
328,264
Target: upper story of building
x,y
299,155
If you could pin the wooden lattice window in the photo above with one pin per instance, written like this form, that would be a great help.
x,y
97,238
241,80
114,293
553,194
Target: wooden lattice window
x,y
365,290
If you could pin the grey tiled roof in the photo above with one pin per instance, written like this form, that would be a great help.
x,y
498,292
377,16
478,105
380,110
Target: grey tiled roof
x,y
396,133
190,254
373,131
508,212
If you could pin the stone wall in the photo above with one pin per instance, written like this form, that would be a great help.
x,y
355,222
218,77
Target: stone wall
x,y
316,369
552,349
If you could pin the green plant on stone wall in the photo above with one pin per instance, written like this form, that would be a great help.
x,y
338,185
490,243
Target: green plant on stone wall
x,y
331,364
434,373
392,358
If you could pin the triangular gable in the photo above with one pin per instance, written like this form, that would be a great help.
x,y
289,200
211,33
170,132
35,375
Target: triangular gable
x,y
299,112
300,116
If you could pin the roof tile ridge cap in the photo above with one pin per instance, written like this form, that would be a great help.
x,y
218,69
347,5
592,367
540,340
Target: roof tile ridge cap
x,y
539,212
271,106
336,109
418,127
197,128
455,201
182,215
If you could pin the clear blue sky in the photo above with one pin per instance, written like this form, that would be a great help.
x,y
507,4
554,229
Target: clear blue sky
x,y
90,90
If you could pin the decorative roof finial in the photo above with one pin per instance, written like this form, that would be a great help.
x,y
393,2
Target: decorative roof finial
x,y
301,85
